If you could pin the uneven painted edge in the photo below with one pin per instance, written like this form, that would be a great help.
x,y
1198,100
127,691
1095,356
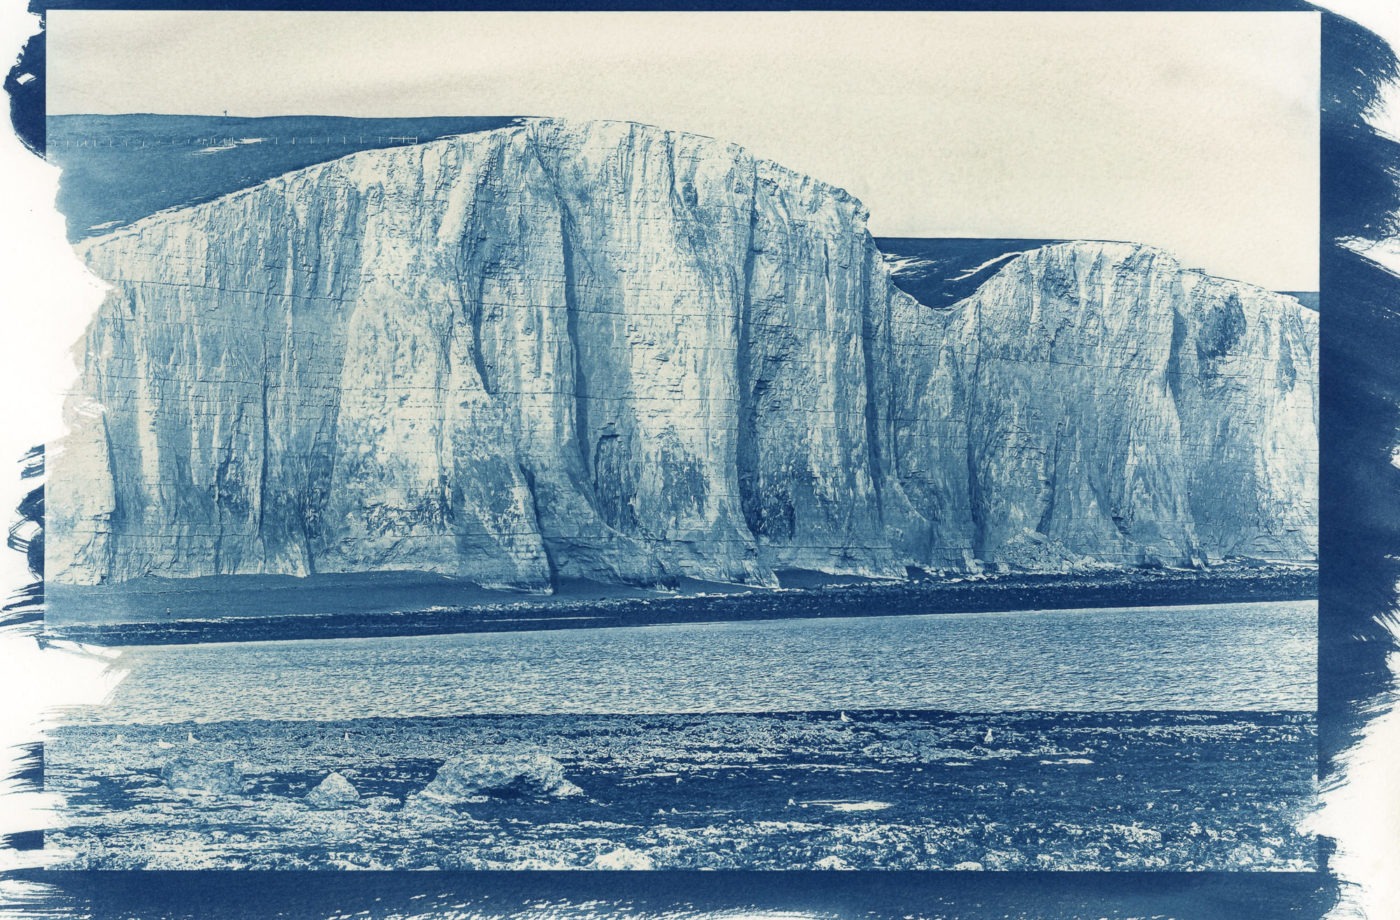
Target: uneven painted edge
x,y
1360,526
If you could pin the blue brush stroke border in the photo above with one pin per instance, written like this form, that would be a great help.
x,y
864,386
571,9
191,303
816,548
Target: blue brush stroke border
x,y
1360,527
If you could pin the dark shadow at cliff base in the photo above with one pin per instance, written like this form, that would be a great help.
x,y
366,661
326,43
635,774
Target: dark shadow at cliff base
x,y
257,608
159,600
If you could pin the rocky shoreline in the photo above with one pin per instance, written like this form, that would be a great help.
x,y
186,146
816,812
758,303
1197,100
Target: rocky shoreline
x,y
816,790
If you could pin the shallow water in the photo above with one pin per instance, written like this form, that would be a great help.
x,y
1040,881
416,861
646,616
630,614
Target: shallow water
x,y
1235,657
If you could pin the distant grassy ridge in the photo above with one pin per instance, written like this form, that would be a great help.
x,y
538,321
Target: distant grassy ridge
x,y
227,140
121,168
940,271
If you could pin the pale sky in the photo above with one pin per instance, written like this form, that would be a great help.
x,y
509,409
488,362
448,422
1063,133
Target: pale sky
x,y
1196,132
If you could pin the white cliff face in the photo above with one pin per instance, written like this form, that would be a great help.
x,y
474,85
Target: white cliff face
x,y
610,351
1106,402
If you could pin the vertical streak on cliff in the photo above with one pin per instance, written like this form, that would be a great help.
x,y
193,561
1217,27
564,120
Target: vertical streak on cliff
x,y
348,252
448,493
471,314
1052,485
262,468
571,313
1174,355
571,322
106,543
475,250
147,442
1173,373
746,450
976,500
873,439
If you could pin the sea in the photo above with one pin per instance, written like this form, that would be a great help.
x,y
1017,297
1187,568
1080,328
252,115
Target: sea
x,y
1233,657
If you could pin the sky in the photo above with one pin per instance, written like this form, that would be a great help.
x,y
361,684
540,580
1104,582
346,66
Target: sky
x,y
1196,132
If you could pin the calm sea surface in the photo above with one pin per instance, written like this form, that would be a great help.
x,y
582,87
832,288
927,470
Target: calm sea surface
x,y
1226,657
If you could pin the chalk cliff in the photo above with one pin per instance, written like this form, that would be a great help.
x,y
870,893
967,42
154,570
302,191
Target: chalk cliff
x,y
612,351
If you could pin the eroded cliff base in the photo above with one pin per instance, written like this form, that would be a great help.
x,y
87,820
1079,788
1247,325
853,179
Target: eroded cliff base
x,y
250,608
